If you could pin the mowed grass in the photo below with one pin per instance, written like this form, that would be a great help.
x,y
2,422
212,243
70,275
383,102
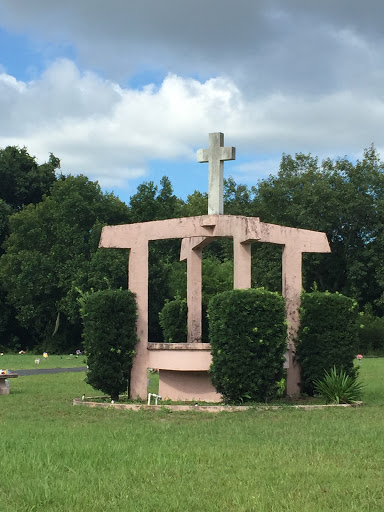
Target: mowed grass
x,y
27,361
57,457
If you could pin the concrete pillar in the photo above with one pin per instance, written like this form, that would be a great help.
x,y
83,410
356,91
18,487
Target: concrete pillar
x,y
194,295
292,285
191,251
242,264
138,284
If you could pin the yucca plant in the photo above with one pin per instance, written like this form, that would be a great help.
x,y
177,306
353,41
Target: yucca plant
x,y
339,388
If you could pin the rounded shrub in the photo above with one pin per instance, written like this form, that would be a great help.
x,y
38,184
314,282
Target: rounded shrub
x,y
248,341
173,320
109,318
371,333
328,336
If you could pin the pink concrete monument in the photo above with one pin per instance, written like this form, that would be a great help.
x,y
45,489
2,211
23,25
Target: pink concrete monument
x,y
183,367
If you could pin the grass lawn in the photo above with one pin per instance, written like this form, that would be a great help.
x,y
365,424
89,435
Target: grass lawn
x,y
27,361
56,457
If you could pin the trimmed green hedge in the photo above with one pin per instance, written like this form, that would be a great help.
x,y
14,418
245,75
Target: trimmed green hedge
x,y
109,318
173,320
248,339
328,336
371,333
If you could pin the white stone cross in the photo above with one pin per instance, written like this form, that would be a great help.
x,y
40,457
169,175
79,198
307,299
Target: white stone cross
x,y
215,156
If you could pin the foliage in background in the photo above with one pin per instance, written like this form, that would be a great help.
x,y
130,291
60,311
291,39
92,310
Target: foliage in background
x,y
371,333
43,267
173,320
109,318
22,180
327,336
157,203
341,198
248,339
12,334
339,388
5,213
217,277
52,249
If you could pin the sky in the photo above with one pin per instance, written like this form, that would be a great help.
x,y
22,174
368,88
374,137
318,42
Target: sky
x,y
127,91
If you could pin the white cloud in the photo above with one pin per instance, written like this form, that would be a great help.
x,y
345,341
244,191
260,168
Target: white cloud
x,y
296,47
98,128
111,133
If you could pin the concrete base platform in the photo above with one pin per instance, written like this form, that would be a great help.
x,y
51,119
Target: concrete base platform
x,y
183,371
88,402
185,386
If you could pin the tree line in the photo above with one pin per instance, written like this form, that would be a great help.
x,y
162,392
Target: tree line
x,y
50,227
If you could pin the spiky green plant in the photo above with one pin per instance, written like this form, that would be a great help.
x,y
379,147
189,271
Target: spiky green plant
x,y
339,388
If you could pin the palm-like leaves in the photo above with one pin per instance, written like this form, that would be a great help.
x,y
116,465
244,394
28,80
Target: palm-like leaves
x,y
338,387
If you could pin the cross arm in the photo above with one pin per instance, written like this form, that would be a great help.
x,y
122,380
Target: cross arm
x,y
228,153
203,155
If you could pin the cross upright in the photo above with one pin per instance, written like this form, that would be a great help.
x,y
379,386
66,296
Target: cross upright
x,y
215,156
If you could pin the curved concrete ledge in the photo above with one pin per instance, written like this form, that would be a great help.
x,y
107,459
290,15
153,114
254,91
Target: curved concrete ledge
x,y
179,357
207,408
179,346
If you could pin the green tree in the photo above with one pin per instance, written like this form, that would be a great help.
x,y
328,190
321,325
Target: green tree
x,y
237,198
343,199
196,204
52,250
5,213
152,203
22,180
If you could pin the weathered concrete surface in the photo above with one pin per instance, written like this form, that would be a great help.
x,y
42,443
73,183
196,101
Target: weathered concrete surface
x,y
138,283
183,371
215,155
191,250
208,408
295,242
127,236
180,346
179,356
186,386
198,232
136,237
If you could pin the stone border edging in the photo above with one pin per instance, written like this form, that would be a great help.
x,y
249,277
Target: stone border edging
x,y
207,408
